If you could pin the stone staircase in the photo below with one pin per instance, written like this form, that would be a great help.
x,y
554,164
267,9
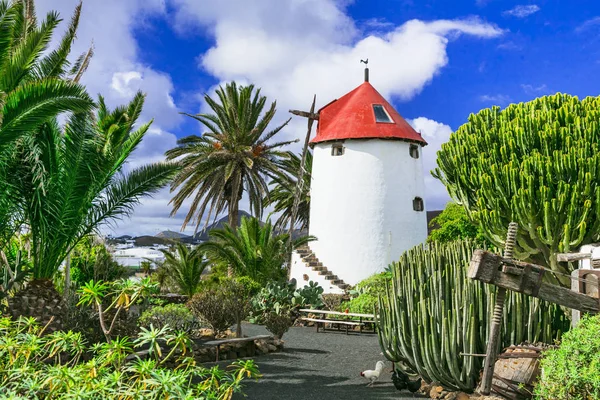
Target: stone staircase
x,y
312,262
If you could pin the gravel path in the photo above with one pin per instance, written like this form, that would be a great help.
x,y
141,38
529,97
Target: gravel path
x,y
321,366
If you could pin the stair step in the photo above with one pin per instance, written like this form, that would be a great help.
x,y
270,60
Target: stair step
x,y
343,286
323,271
315,264
332,277
320,269
337,282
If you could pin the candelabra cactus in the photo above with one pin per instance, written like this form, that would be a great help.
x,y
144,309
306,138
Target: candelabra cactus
x,y
432,314
535,163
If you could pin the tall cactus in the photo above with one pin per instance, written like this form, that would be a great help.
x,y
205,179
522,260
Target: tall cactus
x,y
535,163
433,312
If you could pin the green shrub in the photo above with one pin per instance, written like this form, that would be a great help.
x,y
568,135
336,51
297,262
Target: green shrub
x,y
278,297
572,371
212,307
176,316
61,366
365,295
278,324
90,260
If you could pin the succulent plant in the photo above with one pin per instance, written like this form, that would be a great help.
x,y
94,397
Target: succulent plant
x,y
534,163
432,314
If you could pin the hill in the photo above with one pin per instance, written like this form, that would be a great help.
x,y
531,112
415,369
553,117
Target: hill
x,y
151,240
171,235
203,234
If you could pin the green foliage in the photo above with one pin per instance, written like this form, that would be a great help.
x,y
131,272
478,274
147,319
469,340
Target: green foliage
x,y
120,295
62,366
35,88
365,296
92,261
176,316
284,299
252,250
15,267
533,163
236,155
454,224
85,183
184,268
571,370
250,285
278,324
223,306
432,312
284,189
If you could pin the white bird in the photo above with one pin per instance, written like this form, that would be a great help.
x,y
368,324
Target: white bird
x,y
373,375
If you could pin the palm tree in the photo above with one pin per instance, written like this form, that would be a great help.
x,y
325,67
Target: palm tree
x,y
284,190
85,183
184,268
234,156
253,250
35,86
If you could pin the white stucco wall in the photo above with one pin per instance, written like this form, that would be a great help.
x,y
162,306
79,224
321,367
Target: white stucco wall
x,y
362,206
299,269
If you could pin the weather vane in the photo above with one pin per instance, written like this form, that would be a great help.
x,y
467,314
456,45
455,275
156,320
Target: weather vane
x,y
365,61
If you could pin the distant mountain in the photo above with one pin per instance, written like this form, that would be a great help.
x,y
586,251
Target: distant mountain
x,y
151,240
203,234
171,235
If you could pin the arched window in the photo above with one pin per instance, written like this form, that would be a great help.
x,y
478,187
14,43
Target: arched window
x,y
414,151
418,204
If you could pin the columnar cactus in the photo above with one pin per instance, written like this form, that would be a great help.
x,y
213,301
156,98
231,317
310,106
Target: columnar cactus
x,y
535,163
432,313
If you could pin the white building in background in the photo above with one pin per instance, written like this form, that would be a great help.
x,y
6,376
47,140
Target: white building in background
x,y
367,191
133,257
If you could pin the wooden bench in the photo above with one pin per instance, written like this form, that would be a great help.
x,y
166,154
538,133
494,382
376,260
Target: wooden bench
x,y
363,319
219,343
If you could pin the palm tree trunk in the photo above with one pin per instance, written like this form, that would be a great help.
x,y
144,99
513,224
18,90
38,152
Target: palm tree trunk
x,y
67,289
233,222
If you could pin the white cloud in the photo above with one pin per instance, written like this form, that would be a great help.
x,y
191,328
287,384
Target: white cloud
x,y
535,90
117,73
496,99
510,45
590,23
435,133
294,49
522,11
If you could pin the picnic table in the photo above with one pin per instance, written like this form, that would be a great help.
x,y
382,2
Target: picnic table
x,y
349,321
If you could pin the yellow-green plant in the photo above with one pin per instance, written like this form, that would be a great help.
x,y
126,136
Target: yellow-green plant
x,y
36,366
433,313
534,163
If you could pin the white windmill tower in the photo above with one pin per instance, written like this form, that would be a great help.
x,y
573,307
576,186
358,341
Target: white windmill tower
x,y
367,191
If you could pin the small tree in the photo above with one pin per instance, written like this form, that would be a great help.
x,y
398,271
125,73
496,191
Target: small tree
x,y
534,163
454,224
212,306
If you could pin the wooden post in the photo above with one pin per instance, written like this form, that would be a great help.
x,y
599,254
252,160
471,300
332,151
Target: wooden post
x,y
300,178
496,324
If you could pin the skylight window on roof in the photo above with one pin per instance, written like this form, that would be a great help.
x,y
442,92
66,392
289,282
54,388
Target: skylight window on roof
x,y
381,114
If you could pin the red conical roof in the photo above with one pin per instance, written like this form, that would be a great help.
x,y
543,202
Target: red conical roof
x,y
352,117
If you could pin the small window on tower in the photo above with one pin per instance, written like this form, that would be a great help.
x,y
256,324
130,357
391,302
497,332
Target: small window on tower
x,y
381,114
414,151
418,204
337,149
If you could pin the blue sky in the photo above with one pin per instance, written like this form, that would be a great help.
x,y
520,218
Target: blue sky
x,y
438,61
